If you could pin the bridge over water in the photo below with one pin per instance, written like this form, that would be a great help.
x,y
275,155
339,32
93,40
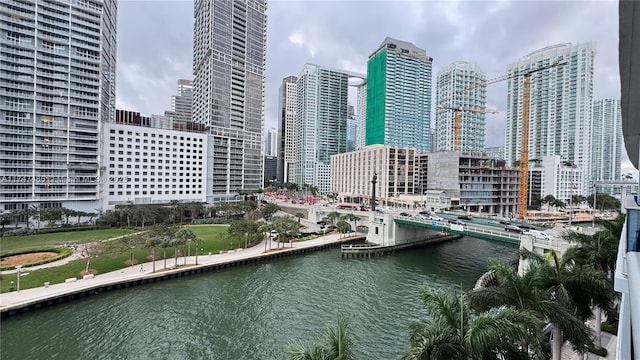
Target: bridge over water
x,y
385,229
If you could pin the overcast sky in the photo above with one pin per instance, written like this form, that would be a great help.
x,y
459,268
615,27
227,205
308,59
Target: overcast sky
x,y
155,41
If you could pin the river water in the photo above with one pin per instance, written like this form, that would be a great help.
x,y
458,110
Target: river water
x,y
255,311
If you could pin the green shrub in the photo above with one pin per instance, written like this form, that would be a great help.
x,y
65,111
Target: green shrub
x,y
211,221
19,232
611,329
600,351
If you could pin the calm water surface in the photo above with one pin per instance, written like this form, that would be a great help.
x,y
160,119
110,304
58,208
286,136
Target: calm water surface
x,y
255,311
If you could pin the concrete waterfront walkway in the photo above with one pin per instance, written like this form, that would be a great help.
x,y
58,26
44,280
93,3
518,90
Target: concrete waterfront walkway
x,y
17,299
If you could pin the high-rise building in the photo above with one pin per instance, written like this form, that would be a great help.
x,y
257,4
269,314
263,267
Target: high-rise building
x,y
288,101
181,104
352,126
321,123
560,107
229,47
606,140
57,85
361,115
399,96
152,160
451,93
271,143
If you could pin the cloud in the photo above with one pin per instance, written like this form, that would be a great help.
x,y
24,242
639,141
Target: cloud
x,y
155,42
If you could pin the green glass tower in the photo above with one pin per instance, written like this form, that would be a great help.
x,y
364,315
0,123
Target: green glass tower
x,y
399,96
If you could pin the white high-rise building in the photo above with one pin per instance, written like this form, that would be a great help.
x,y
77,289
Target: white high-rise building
x,y
606,140
451,93
229,49
560,107
57,84
288,101
361,116
321,123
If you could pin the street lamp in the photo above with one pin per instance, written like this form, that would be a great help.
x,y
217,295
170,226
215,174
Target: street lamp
x,y
246,238
132,248
19,268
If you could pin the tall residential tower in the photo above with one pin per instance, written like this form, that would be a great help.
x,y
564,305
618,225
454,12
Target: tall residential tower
x,y
560,107
229,48
287,104
399,96
321,123
451,93
606,140
57,85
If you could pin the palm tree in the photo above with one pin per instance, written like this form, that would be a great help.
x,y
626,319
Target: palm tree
x,y
338,345
575,287
351,217
333,216
599,251
453,331
343,227
523,293
153,241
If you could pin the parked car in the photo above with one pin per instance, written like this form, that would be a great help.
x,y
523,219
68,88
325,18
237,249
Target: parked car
x,y
425,212
505,222
405,214
456,222
466,217
513,228
435,218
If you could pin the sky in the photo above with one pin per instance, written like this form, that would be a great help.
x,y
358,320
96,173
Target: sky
x,y
155,43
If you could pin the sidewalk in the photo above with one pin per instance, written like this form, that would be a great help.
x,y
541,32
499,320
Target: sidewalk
x,y
28,296
608,341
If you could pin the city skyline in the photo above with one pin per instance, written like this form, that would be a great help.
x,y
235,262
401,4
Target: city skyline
x,y
492,36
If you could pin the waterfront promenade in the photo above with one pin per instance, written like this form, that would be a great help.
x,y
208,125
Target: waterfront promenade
x,y
27,297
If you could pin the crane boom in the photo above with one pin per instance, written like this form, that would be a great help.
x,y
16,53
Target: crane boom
x,y
524,146
524,149
457,124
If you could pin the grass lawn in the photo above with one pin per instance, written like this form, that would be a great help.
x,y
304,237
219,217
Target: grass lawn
x,y
78,237
115,257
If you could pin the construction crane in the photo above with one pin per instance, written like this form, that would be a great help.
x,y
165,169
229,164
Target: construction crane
x,y
457,123
524,146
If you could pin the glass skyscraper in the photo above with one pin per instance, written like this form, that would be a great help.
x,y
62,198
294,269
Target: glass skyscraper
x,y
321,123
560,108
399,96
57,85
606,140
451,93
229,49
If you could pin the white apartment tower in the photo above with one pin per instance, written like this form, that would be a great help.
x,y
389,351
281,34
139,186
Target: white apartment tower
x,y
560,107
287,99
451,93
57,85
229,49
606,140
361,116
321,123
